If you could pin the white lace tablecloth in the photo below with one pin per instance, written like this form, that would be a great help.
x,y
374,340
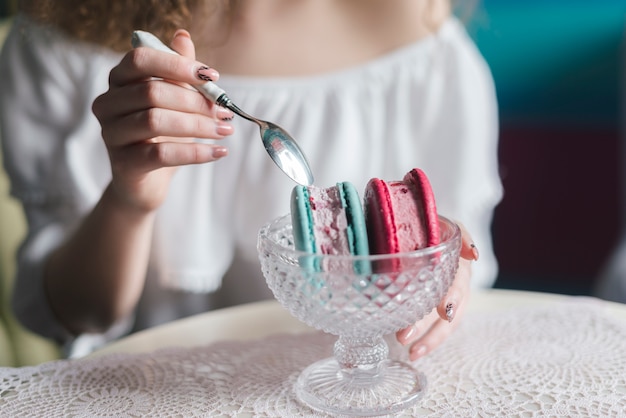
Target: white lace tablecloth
x,y
565,360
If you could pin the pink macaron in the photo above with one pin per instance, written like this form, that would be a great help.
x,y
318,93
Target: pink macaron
x,y
401,216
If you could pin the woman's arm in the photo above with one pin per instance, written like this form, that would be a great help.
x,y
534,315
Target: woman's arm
x,y
96,277
90,218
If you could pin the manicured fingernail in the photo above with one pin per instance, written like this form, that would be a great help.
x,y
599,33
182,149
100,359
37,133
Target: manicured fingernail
x,y
181,32
450,311
418,351
219,152
224,114
223,128
474,251
405,335
205,73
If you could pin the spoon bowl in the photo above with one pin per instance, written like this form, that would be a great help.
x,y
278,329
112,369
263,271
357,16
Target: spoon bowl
x,y
280,146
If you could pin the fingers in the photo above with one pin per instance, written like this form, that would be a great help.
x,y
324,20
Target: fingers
x,y
469,251
155,109
438,325
457,293
140,107
149,156
414,332
427,334
149,116
142,63
149,94
434,336
183,44
157,122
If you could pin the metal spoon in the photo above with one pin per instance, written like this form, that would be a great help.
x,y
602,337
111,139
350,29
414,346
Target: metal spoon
x,y
280,146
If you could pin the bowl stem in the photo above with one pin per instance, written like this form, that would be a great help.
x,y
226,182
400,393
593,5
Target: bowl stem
x,y
360,357
360,380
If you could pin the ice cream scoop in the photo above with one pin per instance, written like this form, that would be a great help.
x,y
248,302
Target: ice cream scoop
x,y
280,146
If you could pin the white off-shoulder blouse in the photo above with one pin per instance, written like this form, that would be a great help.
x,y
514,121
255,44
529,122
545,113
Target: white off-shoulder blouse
x,y
430,104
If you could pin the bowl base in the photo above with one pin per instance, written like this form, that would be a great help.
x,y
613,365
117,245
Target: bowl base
x,y
393,387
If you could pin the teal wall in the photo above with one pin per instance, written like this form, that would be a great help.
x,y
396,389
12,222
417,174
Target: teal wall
x,y
554,61
560,73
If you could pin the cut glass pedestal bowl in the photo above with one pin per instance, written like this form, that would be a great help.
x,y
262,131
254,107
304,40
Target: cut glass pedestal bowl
x,y
359,299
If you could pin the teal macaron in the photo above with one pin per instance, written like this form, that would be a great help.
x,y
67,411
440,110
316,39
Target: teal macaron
x,y
345,195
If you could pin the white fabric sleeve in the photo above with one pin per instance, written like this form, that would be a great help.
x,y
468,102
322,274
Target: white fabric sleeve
x,y
478,187
465,134
52,151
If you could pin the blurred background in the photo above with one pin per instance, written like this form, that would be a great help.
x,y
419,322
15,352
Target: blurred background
x,y
560,73
7,7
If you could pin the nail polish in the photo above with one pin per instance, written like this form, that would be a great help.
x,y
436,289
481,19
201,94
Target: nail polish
x,y
418,351
474,251
223,128
224,114
450,311
219,152
407,334
205,73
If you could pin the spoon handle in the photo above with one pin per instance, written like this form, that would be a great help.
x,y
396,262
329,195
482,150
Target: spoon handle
x,y
210,90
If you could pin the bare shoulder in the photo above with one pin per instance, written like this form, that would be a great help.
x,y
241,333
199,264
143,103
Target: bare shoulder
x,y
438,11
398,22
286,38
429,15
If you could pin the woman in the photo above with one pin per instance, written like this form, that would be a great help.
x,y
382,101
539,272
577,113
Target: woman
x,y
161,229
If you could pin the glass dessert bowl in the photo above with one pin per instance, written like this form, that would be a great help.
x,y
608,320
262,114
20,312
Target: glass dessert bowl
x,y
360,299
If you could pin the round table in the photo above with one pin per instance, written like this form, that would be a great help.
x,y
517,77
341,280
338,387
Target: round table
x,y
260,319
513,354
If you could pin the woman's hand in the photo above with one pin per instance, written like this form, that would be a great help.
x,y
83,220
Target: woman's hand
x,y
425,335
150,116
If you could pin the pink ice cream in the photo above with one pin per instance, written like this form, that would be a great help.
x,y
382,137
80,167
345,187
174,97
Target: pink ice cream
x,y
401,216
329,221
408,218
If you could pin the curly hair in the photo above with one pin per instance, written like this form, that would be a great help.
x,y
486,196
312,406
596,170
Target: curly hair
x,y
110,23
